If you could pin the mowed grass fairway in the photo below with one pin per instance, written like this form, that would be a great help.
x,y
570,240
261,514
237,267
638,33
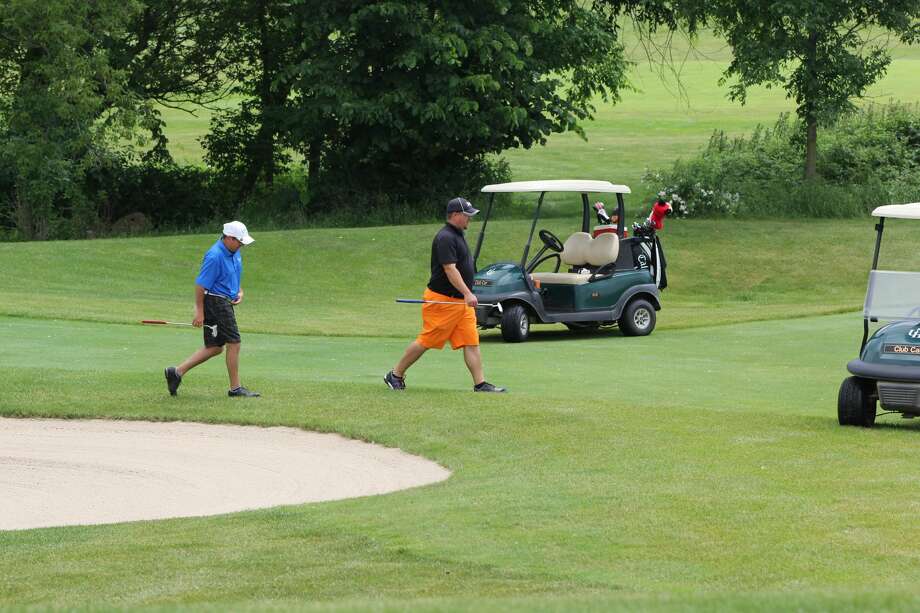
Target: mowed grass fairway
x,y
701,467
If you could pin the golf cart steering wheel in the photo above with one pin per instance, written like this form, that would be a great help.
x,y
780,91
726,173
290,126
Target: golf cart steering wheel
x,y
551,241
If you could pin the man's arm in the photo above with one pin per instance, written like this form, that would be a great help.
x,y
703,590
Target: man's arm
x,y
456,279
199,306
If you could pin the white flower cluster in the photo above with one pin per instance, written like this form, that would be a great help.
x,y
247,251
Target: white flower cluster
x,y
690,200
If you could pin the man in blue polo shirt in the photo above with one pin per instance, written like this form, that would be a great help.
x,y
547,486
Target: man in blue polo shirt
x,y
217,291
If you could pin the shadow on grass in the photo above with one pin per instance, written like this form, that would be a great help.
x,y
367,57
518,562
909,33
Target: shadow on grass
x,y
894,422
555,334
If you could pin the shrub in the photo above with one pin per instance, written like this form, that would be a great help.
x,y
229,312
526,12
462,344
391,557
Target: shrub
x,y
358,198
867,158
121,195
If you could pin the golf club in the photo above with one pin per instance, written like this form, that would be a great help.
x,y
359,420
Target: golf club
x,y
160,322
414,301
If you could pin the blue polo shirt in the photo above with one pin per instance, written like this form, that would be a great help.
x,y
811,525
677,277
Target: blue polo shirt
x,y
221,270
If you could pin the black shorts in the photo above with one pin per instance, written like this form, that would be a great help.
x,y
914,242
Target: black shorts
x,y
218,310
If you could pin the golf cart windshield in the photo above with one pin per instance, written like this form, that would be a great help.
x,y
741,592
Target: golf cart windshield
x,y
892,295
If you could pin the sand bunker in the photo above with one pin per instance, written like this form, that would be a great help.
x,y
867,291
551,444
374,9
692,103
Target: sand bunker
x,y
67,472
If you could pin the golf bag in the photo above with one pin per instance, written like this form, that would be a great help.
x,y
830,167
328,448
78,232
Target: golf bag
x,y
652,250
649,253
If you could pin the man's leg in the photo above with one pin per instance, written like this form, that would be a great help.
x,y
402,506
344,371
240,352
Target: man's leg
x,y
413,352
233,364
473,360
202,355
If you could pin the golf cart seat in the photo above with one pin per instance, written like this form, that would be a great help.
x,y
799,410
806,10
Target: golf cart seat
x,y
582,251
604,250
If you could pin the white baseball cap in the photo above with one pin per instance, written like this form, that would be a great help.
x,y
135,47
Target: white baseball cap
x,y
237,229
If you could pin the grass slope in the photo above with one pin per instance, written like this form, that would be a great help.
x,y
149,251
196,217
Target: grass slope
x,y
343,282
697,468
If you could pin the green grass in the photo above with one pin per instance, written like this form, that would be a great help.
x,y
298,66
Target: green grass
x,y
699,468
719,480
343,282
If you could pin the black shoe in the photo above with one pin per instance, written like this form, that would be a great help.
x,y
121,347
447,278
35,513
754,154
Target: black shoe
x,y
172,380
242,392
485,386
394,382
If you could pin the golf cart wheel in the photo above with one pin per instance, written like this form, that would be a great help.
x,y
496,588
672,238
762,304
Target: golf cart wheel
x,y
855,403
638,318
515,324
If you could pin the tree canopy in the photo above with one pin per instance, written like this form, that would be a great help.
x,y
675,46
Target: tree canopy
x,y
396,92
824,53
394,101
77,80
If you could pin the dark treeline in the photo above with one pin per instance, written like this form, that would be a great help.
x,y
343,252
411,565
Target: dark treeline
x,y
356,107
350,104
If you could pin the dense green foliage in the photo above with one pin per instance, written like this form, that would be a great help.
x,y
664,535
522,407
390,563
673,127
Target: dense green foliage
x,y
404,99
869,157
347,111
78,81
62,102
381,104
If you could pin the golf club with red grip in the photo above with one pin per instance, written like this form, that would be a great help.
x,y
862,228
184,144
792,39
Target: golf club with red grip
x,y
160,322
414,301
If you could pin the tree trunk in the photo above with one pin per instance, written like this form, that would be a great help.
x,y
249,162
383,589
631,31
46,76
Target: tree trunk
x,y
314,158
811,150
262,149
811,116
22,216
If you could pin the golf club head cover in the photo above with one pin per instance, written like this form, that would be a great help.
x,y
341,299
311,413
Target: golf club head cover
x,y
660,210
602,217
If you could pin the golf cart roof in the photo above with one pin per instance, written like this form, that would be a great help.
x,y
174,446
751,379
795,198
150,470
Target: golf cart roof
x,y
898,211
577,185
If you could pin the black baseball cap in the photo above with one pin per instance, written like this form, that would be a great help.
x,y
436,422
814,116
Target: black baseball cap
x,y
461,205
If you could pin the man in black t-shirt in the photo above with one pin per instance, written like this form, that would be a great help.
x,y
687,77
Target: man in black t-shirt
x,y
448,314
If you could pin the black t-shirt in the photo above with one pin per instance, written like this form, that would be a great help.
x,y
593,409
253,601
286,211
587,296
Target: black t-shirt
x,y
449,247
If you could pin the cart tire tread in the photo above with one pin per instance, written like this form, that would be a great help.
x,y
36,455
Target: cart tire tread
x,y
515,324
638,318
855,403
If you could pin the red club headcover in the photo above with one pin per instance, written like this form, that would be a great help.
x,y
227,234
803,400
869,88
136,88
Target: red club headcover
x,y
659,211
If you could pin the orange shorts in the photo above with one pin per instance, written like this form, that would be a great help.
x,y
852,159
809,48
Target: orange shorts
x,y
446,322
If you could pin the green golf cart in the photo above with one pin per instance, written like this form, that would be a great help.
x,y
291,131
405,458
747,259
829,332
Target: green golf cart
x,y
887,371
591,280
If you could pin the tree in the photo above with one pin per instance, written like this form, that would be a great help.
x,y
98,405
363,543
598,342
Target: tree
x,y
174,53
243,141
76,81
824,53
385,95
277,48
61,98
431,86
